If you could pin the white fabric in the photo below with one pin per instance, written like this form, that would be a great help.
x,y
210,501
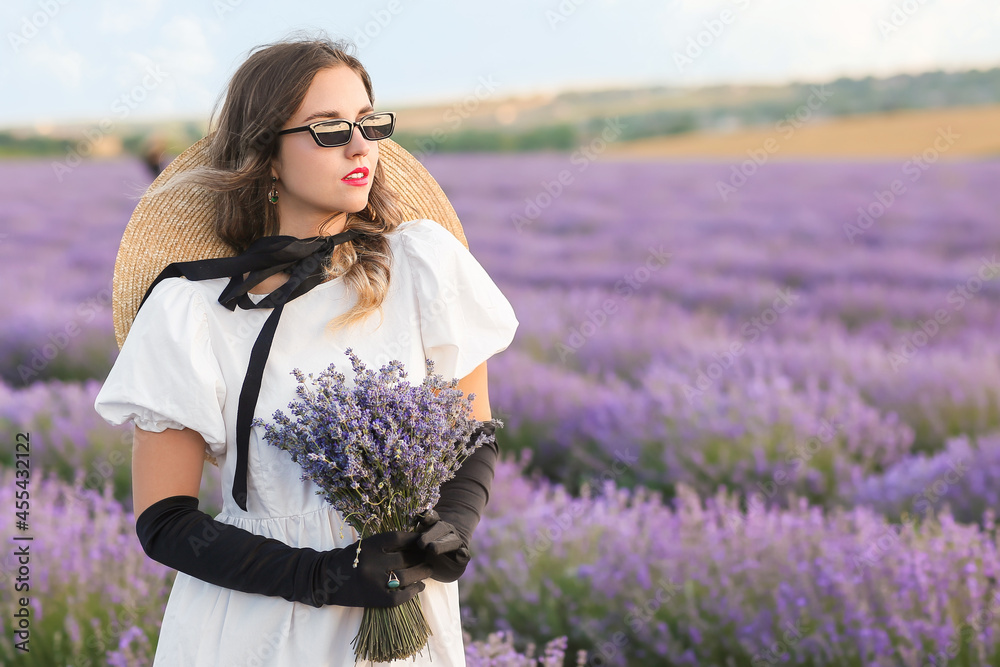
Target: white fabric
x,y
183,364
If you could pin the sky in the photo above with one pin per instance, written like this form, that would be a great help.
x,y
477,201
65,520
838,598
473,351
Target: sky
x,y
65,61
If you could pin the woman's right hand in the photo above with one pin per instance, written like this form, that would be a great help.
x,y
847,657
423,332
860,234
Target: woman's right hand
x,y
338,582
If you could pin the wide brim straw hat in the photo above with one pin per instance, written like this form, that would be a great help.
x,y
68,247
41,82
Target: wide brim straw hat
x,y
178,226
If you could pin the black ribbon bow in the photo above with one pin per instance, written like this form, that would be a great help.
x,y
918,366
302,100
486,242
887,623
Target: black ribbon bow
x,y
304,259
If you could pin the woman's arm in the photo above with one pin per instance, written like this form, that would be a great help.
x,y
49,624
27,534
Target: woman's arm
x,y
476,383
165,464
166,478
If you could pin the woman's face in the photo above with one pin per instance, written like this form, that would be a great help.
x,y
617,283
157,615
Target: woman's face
x,y
310,183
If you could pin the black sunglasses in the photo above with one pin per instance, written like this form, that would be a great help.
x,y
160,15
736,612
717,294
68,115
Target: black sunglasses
x,y
330,133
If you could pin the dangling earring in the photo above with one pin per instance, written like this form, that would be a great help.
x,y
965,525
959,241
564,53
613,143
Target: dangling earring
x,y
272,196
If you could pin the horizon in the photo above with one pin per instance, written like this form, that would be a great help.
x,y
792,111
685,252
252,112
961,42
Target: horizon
x,y
138,119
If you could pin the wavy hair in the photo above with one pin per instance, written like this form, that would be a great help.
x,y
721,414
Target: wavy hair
x,y
260,98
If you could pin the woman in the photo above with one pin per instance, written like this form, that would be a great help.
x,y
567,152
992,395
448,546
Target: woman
x,y
292,182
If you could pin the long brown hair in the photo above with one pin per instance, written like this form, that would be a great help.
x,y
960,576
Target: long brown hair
x,y
260,98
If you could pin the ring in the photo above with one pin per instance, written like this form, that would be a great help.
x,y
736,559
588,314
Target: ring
x,y
393,580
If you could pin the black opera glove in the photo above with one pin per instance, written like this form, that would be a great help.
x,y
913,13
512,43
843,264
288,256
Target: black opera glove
x,y
446,531
174,532
445,552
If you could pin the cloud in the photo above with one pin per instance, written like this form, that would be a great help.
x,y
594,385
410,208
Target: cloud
x,y
185,55
779,40
119,18
62,63
183,46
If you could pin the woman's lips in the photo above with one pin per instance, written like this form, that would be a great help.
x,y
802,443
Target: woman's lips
x,y
363,180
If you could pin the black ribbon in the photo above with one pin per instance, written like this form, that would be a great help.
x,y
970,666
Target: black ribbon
x,y
304,259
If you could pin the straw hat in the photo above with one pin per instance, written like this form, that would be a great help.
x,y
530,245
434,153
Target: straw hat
x,y
178,226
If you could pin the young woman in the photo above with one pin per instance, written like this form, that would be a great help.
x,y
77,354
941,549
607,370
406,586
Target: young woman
x,y
318,255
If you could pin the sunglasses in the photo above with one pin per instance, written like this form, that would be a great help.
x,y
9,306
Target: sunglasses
x,y
330,133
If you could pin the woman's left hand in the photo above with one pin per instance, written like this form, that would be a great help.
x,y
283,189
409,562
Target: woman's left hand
x,y
445,550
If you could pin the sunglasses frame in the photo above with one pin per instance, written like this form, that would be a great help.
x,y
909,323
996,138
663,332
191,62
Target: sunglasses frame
x,y
311,128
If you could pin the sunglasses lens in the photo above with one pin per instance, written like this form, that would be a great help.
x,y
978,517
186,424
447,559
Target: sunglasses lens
x,y
377,126
335,133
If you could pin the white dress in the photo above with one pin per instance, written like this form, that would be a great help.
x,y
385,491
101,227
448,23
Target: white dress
x,y
183,364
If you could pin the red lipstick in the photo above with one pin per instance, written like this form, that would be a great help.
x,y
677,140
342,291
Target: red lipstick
x,y
357,180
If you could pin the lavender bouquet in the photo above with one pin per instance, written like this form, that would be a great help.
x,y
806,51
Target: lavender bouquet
x,y
379,453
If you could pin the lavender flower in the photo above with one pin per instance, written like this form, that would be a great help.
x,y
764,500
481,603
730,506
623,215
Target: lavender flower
x,y
381,450
95,597
498,651
379,453
637,581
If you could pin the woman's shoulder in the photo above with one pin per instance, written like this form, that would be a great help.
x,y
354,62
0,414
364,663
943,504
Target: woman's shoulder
x,y
425,239
419,227
178,294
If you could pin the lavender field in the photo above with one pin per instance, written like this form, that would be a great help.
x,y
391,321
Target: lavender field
x,y
744,429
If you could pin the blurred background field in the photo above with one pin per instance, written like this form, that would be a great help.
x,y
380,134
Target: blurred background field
x,y
752,409
845,117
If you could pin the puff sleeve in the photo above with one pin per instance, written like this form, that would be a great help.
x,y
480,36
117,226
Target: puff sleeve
x,y
464,317
166,374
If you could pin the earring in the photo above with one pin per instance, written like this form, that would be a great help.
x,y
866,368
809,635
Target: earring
x,y
272,196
